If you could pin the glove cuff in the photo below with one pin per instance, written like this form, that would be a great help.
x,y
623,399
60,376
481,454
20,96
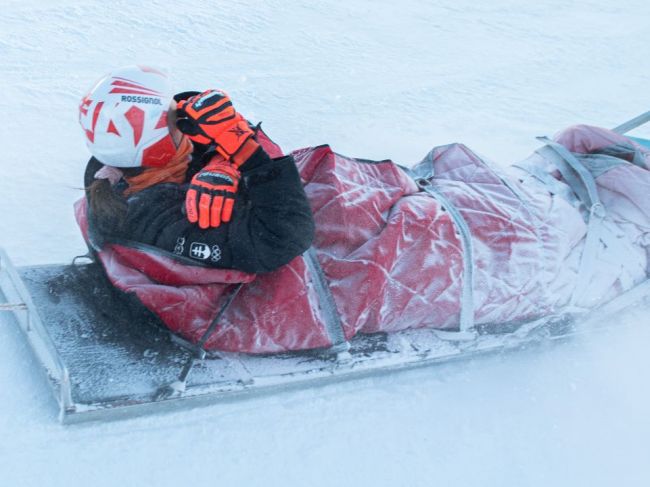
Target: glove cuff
x,y
242,153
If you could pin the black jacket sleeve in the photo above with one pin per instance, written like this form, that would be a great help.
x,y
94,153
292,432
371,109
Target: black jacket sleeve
x,y
272,221
275,222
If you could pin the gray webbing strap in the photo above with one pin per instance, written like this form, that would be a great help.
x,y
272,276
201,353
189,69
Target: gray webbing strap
x,y
599,164
584,185
589,254
327,304
553,185
575,174
467,293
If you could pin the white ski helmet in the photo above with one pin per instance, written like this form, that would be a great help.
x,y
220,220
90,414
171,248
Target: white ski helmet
x,y
124,117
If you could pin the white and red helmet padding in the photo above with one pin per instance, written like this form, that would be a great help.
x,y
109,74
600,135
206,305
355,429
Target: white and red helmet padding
x,y
124,118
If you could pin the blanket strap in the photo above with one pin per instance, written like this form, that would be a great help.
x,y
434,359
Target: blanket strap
x,y
583,185
553,185
330,313
467,297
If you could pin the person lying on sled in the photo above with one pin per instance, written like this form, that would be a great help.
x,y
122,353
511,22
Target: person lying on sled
x,y
187,175
449,244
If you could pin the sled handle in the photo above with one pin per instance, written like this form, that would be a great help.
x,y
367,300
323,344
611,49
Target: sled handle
x,y
632,123
12,287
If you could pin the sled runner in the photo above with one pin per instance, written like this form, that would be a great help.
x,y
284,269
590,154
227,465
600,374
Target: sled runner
x,y
106,360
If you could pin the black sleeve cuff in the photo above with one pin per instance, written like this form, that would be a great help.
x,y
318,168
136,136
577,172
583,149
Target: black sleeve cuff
x,y
259,158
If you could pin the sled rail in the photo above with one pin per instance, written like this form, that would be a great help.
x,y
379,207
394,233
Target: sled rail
x,y
103,367
26,315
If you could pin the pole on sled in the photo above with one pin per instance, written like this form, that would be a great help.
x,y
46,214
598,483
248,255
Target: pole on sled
x,y
178,387
632,123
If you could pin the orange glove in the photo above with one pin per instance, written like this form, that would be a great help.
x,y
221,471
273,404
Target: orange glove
x,y
211,195
209,117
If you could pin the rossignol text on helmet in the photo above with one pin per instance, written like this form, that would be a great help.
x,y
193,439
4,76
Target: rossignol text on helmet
x,y
124,118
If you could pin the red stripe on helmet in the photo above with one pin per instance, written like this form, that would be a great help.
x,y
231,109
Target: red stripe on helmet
x,y
98,108
118,81
133,91
112,129
135,117
83,107
162,121
126,82
159,153
129,84
149,69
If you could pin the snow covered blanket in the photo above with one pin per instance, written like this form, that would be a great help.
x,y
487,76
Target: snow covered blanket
x,y
392,256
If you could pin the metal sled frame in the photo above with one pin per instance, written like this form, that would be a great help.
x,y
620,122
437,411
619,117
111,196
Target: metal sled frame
x,y
103,366
98,375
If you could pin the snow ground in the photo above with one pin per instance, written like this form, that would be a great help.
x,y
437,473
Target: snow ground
x,y
375,79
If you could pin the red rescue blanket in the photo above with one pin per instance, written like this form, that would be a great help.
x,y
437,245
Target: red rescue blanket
x,y
392,257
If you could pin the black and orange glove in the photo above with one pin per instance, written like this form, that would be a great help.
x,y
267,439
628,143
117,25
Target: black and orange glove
x,y
209,117
211,195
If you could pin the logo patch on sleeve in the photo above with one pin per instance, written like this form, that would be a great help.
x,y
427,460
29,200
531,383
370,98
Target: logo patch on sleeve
x,y
180,246
200,251
216,254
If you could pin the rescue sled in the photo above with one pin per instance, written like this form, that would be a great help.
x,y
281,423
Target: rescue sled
x,y
105,360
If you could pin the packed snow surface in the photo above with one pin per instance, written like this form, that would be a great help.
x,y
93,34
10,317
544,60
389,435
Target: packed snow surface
x,y
375,79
